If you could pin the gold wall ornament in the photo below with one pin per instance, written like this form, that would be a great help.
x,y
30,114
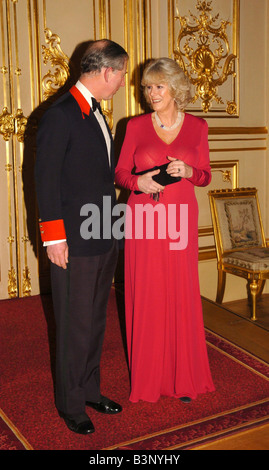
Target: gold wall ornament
x,y
10,239
10,125
7,126
20,125
4,70
226,176
108,113
231,107
203,52
26,282
51,82
12,283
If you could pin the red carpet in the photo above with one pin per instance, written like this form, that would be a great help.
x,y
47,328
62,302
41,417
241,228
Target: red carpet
x,y
27,397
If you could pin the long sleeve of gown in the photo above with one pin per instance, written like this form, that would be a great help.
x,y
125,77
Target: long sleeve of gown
x,y
123,172
202,173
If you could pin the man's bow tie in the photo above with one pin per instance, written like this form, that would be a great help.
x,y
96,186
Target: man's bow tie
x,y
96,105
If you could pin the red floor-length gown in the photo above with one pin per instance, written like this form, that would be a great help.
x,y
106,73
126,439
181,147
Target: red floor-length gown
x,y
164,324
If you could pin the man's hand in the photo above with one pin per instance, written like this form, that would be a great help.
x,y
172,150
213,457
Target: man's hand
x,y
58,254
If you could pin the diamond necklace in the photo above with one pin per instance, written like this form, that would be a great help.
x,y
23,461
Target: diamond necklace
x,y
165,128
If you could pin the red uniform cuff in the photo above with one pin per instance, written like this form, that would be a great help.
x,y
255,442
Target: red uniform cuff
x,y
52,230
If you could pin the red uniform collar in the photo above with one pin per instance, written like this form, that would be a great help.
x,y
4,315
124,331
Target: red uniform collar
x,y
82,102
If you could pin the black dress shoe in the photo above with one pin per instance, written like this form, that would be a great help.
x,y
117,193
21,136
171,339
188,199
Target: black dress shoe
x,y
80,424
185,399
106,406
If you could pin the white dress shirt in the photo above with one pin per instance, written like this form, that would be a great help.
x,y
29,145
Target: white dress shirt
x,y
100,118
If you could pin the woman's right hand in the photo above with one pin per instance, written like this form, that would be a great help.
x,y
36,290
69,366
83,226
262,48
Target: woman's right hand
x,y
147,185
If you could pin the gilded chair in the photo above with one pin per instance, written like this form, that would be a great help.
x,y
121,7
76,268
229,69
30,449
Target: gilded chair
x,y
240,240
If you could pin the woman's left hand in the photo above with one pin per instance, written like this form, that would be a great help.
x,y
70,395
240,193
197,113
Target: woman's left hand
x,y
179,168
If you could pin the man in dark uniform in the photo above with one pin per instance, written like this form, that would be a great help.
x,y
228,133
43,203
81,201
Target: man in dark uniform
x,y
75,167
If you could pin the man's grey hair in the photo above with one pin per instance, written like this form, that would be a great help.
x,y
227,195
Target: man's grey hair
x,y
103,53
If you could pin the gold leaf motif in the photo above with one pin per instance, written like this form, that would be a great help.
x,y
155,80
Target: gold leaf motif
x,y
53,53
231,107
226,176
12,283
203,52
6,124
109,117
26,285
20,125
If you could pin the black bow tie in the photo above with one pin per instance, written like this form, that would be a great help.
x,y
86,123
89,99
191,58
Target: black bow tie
x,y
96,105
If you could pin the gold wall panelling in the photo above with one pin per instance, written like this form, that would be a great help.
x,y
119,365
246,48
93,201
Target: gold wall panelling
x,y
138,43
8,226
36,45
206,47
237,130
238,149
171,28
225,175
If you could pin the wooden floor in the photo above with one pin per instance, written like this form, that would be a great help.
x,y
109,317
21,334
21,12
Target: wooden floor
x,y
232,321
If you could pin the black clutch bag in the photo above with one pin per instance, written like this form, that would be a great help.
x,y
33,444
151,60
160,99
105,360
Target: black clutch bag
x,y
162,178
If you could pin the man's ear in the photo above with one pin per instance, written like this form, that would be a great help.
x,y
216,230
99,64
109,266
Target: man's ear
x,y
107,73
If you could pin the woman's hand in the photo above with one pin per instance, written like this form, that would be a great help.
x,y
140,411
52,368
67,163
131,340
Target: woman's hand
x,y
179,168
147,185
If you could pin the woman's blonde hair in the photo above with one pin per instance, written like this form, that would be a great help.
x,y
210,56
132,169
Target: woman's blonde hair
x,y
165,70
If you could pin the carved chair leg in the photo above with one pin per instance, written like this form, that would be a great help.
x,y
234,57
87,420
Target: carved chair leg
x,y
221,286
260,286
253,291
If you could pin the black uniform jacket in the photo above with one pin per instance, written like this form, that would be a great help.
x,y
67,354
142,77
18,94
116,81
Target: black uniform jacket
x,y
72,171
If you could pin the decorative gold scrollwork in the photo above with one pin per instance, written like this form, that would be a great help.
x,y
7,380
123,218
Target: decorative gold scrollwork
x,y
4,70
207,68
10,125
12,283
20,125
53,81
226,175
26,287
7,125
231,107
109,117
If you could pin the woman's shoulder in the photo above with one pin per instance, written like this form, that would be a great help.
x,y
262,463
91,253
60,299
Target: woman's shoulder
x,y
140,120
195,120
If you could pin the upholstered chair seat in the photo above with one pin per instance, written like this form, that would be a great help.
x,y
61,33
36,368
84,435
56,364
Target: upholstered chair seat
x,y
256,259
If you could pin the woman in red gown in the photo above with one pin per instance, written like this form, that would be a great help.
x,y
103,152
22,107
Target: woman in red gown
x,y
164,322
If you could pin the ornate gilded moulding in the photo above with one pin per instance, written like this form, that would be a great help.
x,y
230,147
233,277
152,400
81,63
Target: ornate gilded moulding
x,y
206,47
225,175
52,53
